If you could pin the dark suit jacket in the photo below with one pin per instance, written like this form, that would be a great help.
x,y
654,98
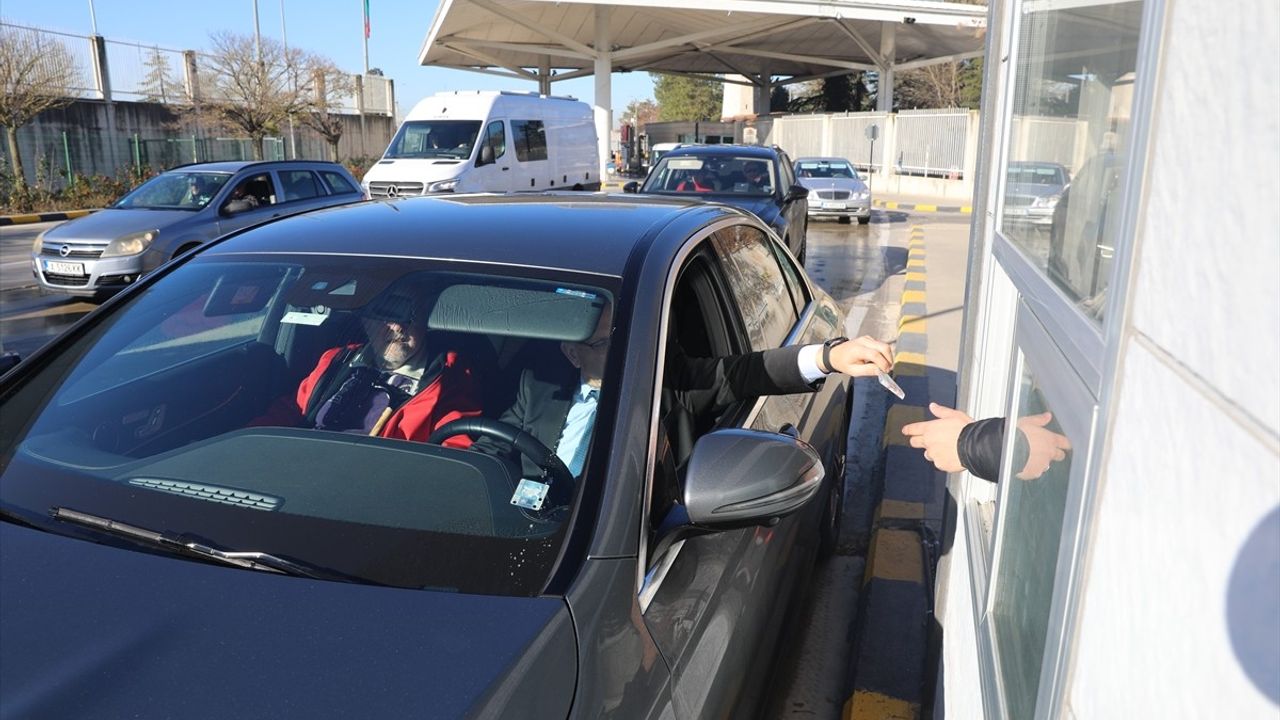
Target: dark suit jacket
x,y
696,391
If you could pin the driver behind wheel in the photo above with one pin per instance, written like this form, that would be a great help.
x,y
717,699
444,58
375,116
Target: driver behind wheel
x,y
394,385
556,404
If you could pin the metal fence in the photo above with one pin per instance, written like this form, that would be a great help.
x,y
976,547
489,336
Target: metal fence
x,y
923,143
131,71
849,138
931,142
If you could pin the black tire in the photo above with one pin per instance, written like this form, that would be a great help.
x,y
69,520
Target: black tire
x,y
845,219
833,515
864,220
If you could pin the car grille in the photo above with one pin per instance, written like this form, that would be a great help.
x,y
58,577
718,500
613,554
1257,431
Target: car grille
x,y
67,280
76,252
394,189
833,194
1018,200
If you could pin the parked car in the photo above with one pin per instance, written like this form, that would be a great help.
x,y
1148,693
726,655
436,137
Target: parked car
x,y
757,179
161,522
489,141
1032,190
835,190
178,210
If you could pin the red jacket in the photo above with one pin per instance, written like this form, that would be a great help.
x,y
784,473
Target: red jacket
x,y
448,397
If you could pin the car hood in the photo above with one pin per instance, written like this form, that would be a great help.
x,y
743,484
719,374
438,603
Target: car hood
x,y
97,630
1032,189
110,224
850,184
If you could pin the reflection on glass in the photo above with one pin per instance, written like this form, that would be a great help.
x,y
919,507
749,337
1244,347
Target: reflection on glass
x,y
1072,108
1038,478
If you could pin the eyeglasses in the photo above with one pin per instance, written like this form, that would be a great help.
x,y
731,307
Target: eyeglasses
x,y
398,309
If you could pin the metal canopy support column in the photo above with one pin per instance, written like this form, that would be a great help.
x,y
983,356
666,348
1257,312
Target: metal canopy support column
x,y
604,90
544,76
763,91
888,51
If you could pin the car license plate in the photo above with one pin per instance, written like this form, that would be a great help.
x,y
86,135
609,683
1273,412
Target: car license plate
x,y
833,206
63,268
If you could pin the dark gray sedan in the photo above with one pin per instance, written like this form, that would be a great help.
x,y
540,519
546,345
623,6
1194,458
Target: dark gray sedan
x,y
303,471
178,210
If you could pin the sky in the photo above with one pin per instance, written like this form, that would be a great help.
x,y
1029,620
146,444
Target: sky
x,y
328,27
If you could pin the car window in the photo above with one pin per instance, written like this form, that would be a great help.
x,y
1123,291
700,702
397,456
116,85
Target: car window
x,y
788,174
299,185
530,140
288,405
825,169
337,184
795,283
756,282
176,190
721,174
252,192
495,136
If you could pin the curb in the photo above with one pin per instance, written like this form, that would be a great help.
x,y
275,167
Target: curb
x,y
922,207
28,218
893,629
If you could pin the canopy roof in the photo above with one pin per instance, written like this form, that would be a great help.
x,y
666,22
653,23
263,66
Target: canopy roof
x,y
792,39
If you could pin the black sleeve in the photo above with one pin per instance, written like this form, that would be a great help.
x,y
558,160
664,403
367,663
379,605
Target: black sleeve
x,y
767,372
979,447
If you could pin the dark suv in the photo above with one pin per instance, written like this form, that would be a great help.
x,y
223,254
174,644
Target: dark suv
x,y
754,178
175,211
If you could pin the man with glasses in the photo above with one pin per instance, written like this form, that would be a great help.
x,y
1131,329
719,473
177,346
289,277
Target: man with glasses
x,y
394,385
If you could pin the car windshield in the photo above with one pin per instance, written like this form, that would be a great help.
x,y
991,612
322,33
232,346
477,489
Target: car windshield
x,y
824,169
1036,175
295,406
174,191
434,139
723,175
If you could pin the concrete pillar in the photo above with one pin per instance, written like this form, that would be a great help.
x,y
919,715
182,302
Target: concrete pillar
x,y
101,75
544,76
191,75
604,89
391,100
888,43
763,91
364,131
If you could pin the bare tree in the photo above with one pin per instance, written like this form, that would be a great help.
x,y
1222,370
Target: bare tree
x,y
330,88
36,74
250,93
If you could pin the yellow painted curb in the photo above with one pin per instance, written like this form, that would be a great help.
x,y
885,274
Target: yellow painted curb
x,y
927,208
915,253
78,213
916,323
866,705
967,209
25,218
898,416
915,264
908,365
891,205
895,555
915,276
912,296
900,510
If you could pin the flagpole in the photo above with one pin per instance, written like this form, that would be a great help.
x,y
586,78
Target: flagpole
x,y
365,4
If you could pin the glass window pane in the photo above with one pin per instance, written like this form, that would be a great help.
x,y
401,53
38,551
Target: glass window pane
x,y
757,285
1072,107
1038,479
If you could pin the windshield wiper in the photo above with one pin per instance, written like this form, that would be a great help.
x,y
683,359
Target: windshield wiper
x,y
252,560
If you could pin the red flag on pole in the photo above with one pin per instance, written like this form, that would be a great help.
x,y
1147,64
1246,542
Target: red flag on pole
x,y
366,18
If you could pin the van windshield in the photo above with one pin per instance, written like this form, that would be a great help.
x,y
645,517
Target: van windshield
x,y
435,139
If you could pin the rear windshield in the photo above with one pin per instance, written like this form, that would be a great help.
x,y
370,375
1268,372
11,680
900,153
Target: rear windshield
x,y
434,139
682,174
298,406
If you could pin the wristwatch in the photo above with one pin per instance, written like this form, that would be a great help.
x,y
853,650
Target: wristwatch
x,y
826,353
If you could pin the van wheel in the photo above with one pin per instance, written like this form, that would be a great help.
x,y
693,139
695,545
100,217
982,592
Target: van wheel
x,y
577,188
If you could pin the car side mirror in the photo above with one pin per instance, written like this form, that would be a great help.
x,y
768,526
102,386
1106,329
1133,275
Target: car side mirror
x,y
738,478
797,192
631,187
486,155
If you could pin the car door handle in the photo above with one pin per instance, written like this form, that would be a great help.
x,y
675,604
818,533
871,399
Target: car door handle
x,y
505,169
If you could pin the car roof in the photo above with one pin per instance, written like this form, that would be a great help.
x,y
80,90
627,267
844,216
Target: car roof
x,y
234,166
824,158
582,232
725,150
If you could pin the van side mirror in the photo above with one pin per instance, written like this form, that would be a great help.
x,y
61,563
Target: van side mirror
x,y
631,187
486,155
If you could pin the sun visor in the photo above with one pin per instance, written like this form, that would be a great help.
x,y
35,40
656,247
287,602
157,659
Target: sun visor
x,y
545,312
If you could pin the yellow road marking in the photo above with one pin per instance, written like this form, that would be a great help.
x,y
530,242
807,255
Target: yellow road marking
x,y
912,296
895,555
901,510
918,276
866,705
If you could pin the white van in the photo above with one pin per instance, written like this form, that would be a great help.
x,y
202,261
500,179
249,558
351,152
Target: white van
x,y
489,141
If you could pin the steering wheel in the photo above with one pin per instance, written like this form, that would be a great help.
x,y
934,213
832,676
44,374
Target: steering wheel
x,y
524,443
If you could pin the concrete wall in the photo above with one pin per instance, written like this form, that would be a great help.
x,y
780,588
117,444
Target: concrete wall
x,y
100,139
1180,612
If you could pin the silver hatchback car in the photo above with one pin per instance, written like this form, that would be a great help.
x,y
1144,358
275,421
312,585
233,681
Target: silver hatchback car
x,y
176,211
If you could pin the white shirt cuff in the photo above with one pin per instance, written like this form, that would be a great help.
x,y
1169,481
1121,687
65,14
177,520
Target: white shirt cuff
x,y
808,359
